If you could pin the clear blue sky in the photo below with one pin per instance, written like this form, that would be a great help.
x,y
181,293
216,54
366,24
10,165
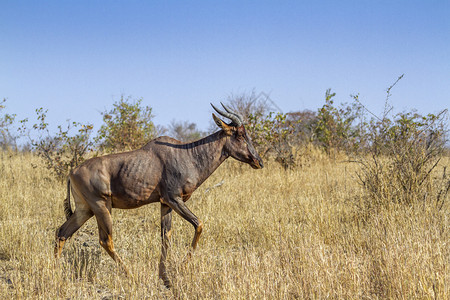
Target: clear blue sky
x,y
77,57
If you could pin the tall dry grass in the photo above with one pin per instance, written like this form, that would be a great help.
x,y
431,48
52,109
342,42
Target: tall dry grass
x,y
269,234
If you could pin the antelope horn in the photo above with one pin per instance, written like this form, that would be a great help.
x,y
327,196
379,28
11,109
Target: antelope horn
x,y
233,113
228,114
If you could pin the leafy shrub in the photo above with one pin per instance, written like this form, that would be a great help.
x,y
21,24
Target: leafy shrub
x,y
7,137
403,154
127,126
271,133
63,151
273,136
401,157
303,123
335,127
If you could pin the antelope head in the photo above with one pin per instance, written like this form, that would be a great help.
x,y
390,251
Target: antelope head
x,y
238,144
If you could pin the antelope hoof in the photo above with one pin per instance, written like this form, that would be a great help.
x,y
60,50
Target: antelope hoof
x,y
188,256
59,244
163,276
167,283
125,271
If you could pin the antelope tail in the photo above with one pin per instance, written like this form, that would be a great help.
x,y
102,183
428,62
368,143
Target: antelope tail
x,y
67,209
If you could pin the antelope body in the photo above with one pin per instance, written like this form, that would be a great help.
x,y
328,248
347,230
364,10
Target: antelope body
x,y
164,170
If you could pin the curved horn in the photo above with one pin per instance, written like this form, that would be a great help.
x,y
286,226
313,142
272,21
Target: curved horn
x,y
230,115
233,113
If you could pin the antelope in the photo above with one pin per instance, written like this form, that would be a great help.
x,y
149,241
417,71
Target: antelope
x,y
164,170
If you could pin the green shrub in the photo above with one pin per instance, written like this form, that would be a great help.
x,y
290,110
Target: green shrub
x,y
273,136
127,126
339,128
7,137
64,150
401,158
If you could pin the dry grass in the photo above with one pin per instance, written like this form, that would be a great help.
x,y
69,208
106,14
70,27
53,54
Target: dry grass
x,y
269,234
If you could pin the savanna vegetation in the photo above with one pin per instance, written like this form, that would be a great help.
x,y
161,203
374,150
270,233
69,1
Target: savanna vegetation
x,y
350,205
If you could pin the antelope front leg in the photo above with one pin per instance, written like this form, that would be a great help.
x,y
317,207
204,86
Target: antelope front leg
x,y
198,232
180,208
166,230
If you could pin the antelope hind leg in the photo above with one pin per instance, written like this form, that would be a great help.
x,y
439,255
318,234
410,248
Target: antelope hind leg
x,y
166,230
69,228
104,222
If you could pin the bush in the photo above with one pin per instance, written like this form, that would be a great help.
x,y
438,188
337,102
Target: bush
x,y
401,157
63,151
303,123
403,154
185,131
247,104
272,133
7,137
127,126
273,136
335,127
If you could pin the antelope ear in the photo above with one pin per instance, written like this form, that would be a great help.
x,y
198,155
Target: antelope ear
x,y
226,128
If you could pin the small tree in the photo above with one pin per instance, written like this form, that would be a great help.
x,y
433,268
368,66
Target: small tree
x,y
185,131
127,126
7,138
272,133
402,153
273,136
247,104
335,126
62,151
303,123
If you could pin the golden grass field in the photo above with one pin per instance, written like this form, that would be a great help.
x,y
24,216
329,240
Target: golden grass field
x,y
268,234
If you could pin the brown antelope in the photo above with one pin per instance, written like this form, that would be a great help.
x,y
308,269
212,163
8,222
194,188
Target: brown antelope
x,y
165,170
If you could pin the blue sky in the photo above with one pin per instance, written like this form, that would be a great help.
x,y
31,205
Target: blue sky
x,y
76,58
